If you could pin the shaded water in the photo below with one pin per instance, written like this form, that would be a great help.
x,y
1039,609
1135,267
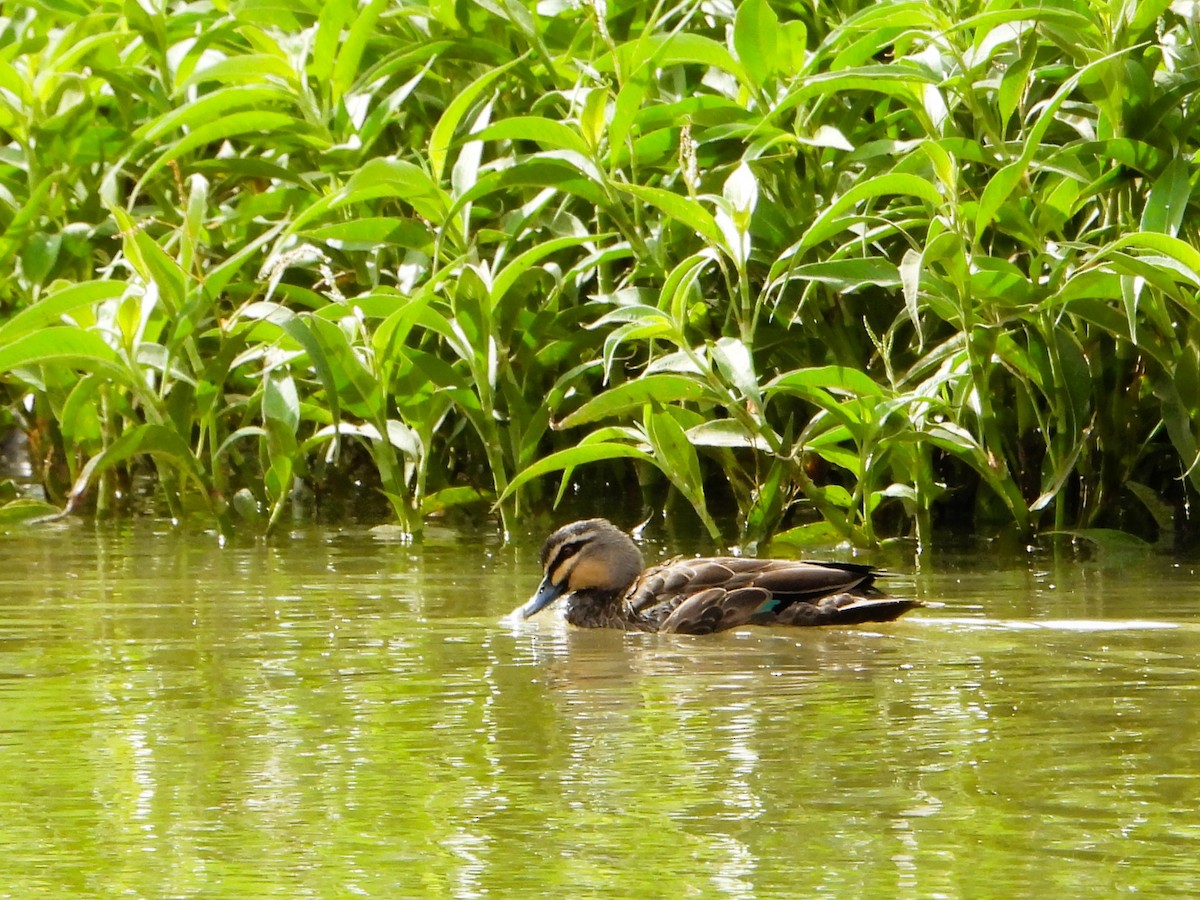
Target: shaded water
x,y
340,715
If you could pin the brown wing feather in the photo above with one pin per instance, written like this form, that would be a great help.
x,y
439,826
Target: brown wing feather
x,y
779,576
798,579
700,596
715,609
672,580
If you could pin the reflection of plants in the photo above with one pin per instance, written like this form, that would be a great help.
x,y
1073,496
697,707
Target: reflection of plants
x,y
867,270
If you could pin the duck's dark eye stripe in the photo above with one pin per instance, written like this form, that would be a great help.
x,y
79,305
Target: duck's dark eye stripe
x,y
563,553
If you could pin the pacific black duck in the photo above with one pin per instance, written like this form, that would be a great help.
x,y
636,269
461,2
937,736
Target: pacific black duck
x,y
601,570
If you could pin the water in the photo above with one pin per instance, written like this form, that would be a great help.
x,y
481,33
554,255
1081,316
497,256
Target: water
x,y
339,715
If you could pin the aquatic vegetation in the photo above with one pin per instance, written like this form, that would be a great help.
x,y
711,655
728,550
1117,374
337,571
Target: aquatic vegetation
x,y
854,270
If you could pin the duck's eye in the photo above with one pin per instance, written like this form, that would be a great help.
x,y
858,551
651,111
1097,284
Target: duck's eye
x,y
562,555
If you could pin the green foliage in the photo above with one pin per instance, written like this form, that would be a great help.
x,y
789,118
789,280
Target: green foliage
x,y
861,268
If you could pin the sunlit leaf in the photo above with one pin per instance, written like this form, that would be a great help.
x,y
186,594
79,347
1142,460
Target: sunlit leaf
x,y
65,345
26,511
158,441
1168,200
52,308
570,458
633,395
549,133
682,209
834,218
443,133
678,460
725,433
755,37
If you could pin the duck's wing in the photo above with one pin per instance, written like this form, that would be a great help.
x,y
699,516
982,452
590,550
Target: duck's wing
x,y
701,596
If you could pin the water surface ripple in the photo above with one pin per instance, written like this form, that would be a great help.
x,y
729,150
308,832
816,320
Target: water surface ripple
x,y
341,714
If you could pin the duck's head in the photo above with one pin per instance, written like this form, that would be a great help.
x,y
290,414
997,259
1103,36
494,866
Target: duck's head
x,y
593,555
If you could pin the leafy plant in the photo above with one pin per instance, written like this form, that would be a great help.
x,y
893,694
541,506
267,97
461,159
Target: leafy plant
x,y
851,270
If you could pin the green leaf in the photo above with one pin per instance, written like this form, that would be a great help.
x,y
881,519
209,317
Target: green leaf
x,y
725,433
756,39
904,81
506,277
835,218
281,402
836,379
682,209
678,290
345,70
1144,15
1000,187
220,275
792,46
451,498
997,191
633,395
333,18
538,170
844,275
151,261
369,232
910,276
546,132
159,441
644,323
64,345
358,390
270,125
592,116
298,329
735,362
79,419
569,459
1173,248
443,133
1073,383
392,333
1169,198
1162,510
27,512
649,51
629,101
209,107
395,178
254,431
250,67
814,534
39,255
51,309
1015,81
677,458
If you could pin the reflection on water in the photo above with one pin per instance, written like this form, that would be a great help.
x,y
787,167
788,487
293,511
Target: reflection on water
x,y
342,714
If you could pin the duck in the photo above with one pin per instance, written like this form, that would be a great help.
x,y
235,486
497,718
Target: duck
x,y
600,570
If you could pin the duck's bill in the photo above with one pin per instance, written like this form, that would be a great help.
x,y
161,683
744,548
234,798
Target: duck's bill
x,y
546,594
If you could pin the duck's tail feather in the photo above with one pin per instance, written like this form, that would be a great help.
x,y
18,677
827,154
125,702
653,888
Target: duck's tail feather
x,y
845,609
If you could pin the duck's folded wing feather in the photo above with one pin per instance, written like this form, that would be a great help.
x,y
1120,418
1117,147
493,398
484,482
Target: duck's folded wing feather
x,y
800,580
670,582
701,596
789,579
716,609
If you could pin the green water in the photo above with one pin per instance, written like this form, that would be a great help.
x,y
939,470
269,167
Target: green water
x,y
340,715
